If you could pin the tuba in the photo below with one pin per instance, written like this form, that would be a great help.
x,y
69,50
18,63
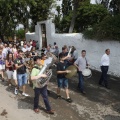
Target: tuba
x,y
44,81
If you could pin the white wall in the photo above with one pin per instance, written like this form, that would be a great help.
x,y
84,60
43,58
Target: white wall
x,y
94,49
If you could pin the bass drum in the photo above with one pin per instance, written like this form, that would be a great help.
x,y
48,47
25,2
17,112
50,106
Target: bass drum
x,y
87,73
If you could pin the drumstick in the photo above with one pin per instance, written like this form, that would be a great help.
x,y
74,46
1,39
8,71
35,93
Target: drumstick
x,y
69,51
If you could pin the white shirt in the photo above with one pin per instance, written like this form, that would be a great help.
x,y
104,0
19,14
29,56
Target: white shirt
x,y
105,61
22,43
24,49
29,48
5,51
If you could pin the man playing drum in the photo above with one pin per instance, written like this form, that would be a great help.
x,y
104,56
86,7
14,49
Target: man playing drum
x,y
81,63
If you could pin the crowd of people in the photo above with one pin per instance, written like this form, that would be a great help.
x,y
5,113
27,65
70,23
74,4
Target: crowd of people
x,y
14,58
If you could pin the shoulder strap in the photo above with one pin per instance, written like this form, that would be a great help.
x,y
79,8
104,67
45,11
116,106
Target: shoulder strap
x,y
86,62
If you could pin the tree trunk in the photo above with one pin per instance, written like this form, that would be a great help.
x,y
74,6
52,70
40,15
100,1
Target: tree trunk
x,y
75,4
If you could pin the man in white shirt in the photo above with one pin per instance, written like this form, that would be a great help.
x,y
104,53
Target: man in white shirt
x,y
22,43
24,49
81,63
29,47
105,62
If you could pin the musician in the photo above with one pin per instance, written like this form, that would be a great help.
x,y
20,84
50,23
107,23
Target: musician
x,y
81,63
105,62
43,91
44,60
74,54
21,72
66,57
56,52
61,79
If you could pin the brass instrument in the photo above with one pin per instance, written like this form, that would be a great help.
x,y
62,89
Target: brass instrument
x,y
54,58
73,72
44,81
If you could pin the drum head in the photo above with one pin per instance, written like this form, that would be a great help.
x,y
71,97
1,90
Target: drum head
x,y
73,70
87,73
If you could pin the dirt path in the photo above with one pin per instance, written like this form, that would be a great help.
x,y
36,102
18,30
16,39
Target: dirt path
x,y
98,104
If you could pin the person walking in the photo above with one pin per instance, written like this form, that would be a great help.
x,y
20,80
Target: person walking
x,y
105,62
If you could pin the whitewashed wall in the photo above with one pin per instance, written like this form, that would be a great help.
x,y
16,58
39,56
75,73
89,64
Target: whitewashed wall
x,y
94,49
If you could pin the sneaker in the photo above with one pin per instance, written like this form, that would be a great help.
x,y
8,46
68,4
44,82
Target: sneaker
x,y
69,100
24,94
16,91
50,112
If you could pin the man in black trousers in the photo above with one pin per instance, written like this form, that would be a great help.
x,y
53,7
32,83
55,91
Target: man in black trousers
x,y
105,62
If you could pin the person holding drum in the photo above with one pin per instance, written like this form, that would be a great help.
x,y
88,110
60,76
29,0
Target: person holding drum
x,y
81,63
61,79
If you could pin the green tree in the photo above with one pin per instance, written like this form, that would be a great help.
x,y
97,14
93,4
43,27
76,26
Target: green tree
x,y
89,15
39,10
62,20
20,34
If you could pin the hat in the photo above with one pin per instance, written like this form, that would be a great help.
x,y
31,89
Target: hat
x,y
36,58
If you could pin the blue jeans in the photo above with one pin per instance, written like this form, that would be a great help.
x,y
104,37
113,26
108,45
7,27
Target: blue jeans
x,y
103,78
44,94
22,79
62,82
81,83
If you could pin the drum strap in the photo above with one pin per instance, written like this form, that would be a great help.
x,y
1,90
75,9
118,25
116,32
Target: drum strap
x,y
86,62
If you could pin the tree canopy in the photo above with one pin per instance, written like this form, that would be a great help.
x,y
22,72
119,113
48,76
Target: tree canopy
x,y
15,12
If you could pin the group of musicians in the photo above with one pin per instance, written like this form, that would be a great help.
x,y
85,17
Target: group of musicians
x,y
12,61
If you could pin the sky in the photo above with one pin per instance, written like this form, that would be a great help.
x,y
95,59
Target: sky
x,y
94,1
